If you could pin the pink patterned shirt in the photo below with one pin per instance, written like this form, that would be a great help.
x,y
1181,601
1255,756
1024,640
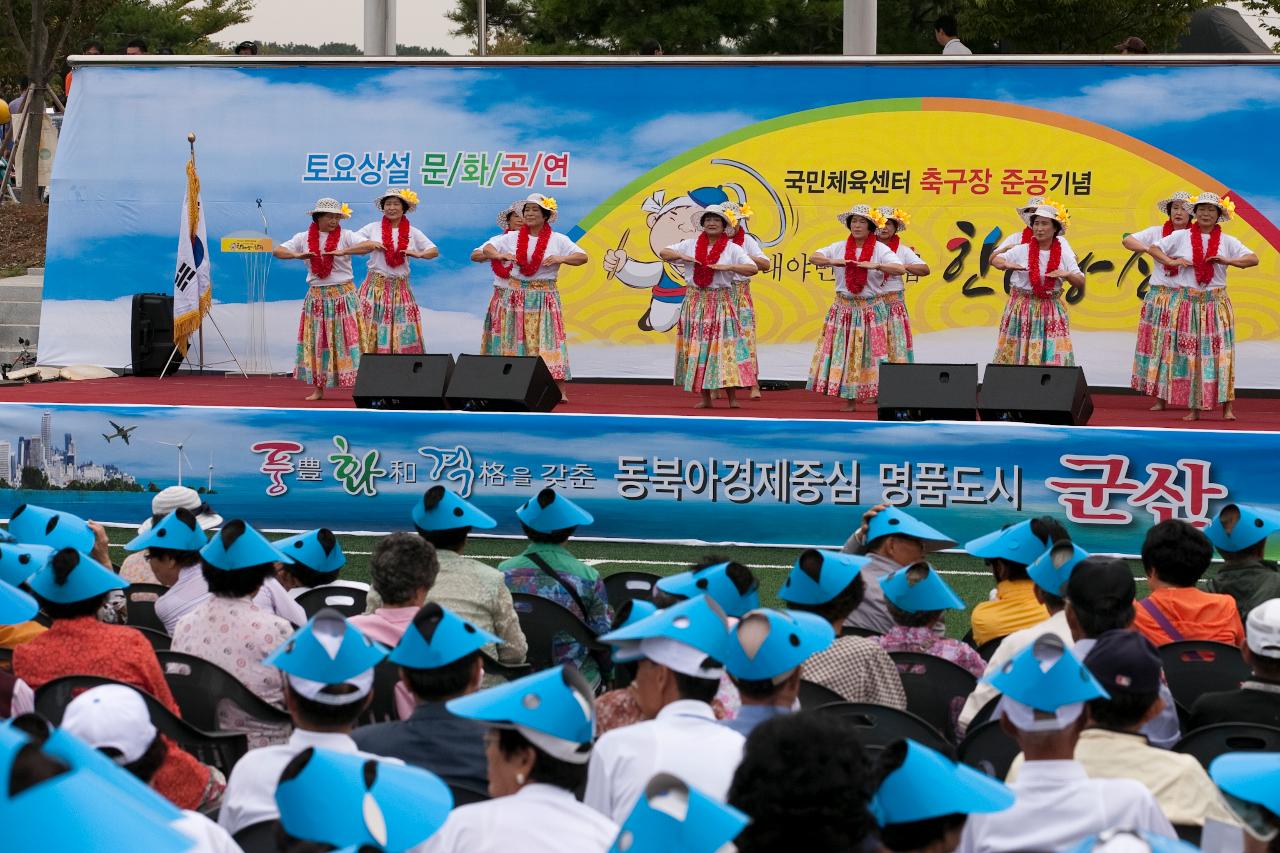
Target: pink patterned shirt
x,y
925,641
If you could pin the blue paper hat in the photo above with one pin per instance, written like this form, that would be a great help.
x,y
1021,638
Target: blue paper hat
x,y
16,606
238,546
350,800
951,789
713,581
1250,776
768,643
549,511
328,649
35,525
1046,675
1015,543
77,753
449,512
1155,843
87,579
892,520
636,609
1052,569
919,589
816,577
437,637
698,623
19,562
1253,524
671,817
6,536
553,708
177,531
308,550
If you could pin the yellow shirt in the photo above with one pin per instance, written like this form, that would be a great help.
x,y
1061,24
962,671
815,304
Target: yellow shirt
x,y
16,635
1014,608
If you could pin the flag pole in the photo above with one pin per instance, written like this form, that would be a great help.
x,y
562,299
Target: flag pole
x,y
191,140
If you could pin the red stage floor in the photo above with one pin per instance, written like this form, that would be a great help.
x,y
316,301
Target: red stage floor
x,y
1255,413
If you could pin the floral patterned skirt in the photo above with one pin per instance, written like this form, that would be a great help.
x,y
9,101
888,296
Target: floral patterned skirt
x,y
860,333
1034,330
389,315
1154,330
712,346
525,318
747,319
1198,370
329,336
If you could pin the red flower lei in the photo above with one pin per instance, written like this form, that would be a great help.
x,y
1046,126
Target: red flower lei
x,y
1165,231
1199,257
321,263
529,265
395,251
740,237
893,243
1043,286
855,277
500,269
1027,235
705,255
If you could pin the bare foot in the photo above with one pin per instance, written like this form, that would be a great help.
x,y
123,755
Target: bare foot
x,y
1192,415
702,404
755,392
1228,412
1158,407
717,394
734,404
849,407
317,394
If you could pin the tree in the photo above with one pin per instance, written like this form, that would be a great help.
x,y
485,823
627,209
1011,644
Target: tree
x,y
1074,26
33,478
180,25
1268,13
333,48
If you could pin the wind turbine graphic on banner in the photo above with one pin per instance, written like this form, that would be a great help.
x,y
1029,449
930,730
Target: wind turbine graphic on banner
x,y
182,454
210,489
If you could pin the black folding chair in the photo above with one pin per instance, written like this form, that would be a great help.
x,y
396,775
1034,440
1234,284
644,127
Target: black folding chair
x,y
6,660
221,750
986,712
509,671
261,837
386,675
140,605
879,725
1209,742
934,687
989,749
814,695
853,631
542,619
987,649
198,685
347,600
465,795
621,586
159,640
1193,667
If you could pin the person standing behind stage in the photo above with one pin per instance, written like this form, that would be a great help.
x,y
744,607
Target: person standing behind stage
x,y
1034,328
712,346
1154,328
1201,369
742,284
391,321
856,336
329,331
527,318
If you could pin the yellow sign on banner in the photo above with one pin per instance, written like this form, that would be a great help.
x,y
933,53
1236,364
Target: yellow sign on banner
x,y
247,244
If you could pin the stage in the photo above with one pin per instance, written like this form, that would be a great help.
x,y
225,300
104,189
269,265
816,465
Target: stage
x,y
1112,409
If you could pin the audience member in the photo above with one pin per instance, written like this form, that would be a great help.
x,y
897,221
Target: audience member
x,y
805,782
1043,708
469,588
924,798
680,651
439,660
537,748
671,816
891,540
917,598
17,564
1174,556
1251,783
546,569
1257,700
948,35
230,631
171,548
328,669
135,47
729,584
317,560
621,706
1240,534
247,48
765,658
404,568
16,696
832,586
1008,552
1112,747
1132,46
135,568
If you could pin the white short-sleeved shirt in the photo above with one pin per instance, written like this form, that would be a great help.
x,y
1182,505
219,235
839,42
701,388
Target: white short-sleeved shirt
x,y
1178,245
1014,239
1159,278
536,819
732,254
493,241
558,244
341,272
1021,279
751,246
906,256
877,283
418,242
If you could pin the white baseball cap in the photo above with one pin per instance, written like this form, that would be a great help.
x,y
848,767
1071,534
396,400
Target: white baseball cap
x,y
112,716
1262,629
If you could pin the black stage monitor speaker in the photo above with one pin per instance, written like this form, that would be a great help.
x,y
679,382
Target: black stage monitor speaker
x,y
496,383
402,381
1038,395
151,334
928,392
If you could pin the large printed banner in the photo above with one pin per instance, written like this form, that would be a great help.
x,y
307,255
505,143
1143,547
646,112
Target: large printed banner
x,y
733,480
630,152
